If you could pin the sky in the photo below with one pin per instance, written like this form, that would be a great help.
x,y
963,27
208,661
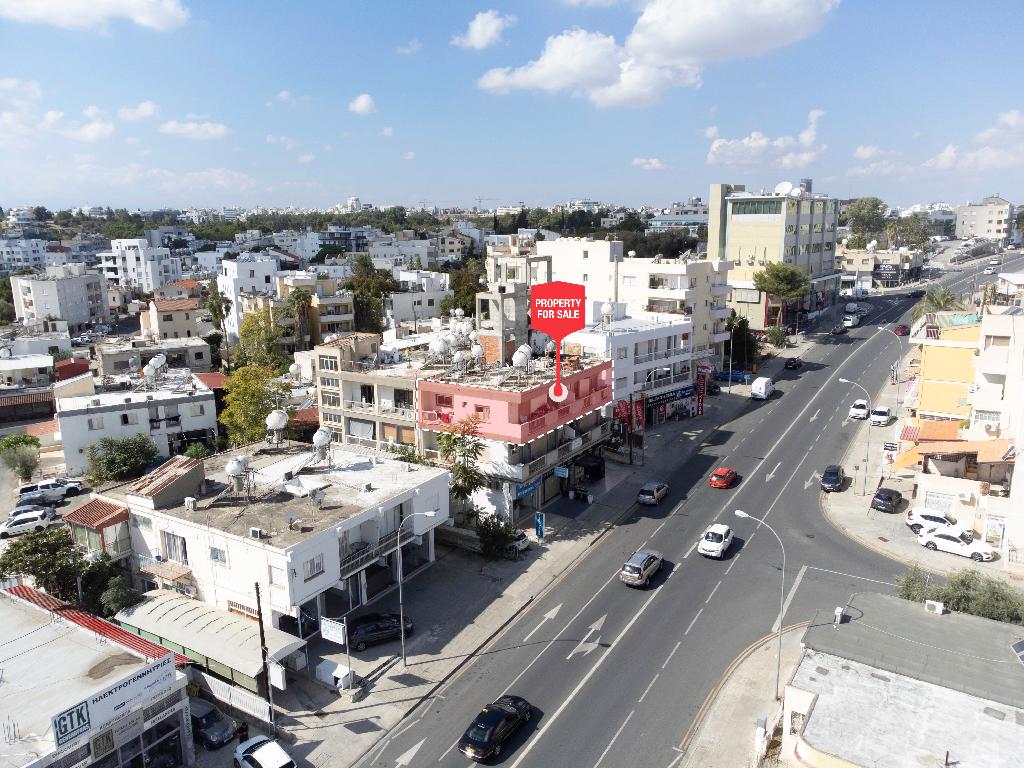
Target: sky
x,y
172,103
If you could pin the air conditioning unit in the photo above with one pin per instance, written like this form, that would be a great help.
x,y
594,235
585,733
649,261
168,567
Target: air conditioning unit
x,y
934,606
964,496
190,503
187,591
255,533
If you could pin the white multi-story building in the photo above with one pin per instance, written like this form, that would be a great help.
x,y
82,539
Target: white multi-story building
x,y
174,410
992,218
134,263
70,293
388,253
419,298
305,245
248,273
21,253
20,216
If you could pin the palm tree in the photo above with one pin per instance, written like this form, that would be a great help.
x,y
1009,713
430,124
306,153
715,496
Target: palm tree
x,y
299,302
936,300
218,305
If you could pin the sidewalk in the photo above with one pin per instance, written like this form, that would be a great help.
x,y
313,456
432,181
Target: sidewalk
x,y
725,734
885,533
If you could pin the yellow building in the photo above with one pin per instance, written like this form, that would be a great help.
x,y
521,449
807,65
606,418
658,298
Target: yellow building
x,y
947,366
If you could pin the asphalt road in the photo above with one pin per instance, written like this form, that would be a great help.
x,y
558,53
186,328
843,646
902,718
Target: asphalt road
x,y
616,673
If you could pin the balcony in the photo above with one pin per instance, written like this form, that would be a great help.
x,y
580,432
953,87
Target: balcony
x,y
438,417
992,361
361,553
720,290
560,455
398,412
720,313
359,405
718,336
168,570
670,287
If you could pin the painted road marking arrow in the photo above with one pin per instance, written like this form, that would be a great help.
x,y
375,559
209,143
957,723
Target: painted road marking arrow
x,y
547,617
405,759
811,480
815,414
585,646
771,474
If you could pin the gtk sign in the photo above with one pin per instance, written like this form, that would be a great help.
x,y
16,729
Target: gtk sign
x,y
71,723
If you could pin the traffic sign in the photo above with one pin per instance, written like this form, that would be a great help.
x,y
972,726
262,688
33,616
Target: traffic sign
x,y
538,522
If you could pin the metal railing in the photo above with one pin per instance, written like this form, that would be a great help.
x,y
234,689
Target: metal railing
x,y
359,405
359,557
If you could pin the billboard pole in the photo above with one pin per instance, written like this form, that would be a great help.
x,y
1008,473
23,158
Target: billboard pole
x,y
263,657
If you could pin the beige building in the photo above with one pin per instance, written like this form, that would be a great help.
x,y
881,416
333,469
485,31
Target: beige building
x,y
878,269
992,218
754,230
171,319
331,309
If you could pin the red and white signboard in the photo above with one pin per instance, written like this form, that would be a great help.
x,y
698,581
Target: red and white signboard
x,y
557,309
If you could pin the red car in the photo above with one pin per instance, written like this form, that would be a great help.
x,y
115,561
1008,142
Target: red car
x,y
723,477
901,330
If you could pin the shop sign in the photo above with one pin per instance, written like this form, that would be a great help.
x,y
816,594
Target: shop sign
x,y
334,631
701,384
525,489
561,471
995,526
622,410
638,415
887,271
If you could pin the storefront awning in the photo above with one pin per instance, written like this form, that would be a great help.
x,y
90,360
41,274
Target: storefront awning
x,y
225,637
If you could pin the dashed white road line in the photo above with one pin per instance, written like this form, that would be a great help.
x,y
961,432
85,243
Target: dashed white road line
x,y
713,593
692,547
616,736
735,558
693,621
648,689
673,653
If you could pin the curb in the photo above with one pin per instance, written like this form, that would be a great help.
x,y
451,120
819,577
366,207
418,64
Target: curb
x,y
705,707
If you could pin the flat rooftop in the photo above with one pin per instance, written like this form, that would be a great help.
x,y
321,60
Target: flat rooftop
x,y
133,345
47,667
639,323
19,362
538,372
355,481
175,382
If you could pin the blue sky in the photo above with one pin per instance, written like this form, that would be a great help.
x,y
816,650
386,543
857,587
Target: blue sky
x,y
146,103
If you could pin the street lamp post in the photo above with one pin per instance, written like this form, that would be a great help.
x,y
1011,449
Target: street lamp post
x,y
867,442
899,360
782,599
401,600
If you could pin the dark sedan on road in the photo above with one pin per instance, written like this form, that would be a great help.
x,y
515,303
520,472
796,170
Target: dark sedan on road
x,y
838,330
917,293
493,727
886,500
375,628
793,363
832,478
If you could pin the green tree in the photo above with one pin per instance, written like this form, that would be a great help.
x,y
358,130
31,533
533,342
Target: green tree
x,y
743,345
198,451
258,343
21,459
40,213
251,394
965,591
495,535
776,336
120,458
460,447
465,283
369,285
857,242
785,282
19,440
215,340
908,231
219,305
866,216
936,300
117,596
48,557
299,302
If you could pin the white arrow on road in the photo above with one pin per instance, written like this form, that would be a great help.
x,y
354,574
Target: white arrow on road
x,y
815,414
771,474
811,480
585,646
405,759
547,617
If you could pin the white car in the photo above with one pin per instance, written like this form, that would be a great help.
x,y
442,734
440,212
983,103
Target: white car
x,y
945,541
880,417
917,521
859,409
715,542
851,321
31,522
261,752
988,271
30,509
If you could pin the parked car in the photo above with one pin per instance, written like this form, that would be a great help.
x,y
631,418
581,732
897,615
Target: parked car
x,y
838,330
713,388
832,478
851,321
261,752
793,363
989,271
886,500
715,541
652,493
737,376
519,544
852,308
917,521
917,293
944,541
901,330
859,410
54,490
28,509
210,726
723,477
641,567
373,628
493,726
880,417
32,522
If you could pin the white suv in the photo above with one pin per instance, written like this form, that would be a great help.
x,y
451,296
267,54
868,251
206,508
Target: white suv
x,y
33,521
918,521
859,409
54,490
851,321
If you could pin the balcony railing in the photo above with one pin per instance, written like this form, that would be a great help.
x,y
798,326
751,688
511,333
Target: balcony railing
x,y
361,554
398,412
359,405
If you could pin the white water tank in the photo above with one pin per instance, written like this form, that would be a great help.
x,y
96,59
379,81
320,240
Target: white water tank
x,y
277,419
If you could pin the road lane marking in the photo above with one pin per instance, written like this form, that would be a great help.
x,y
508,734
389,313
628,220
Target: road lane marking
x,y
849,575
584,646
789,598
586,678
713,592
673,653
610,743
735,558
547,616
656,530
693,621
692,547
648,688
673,573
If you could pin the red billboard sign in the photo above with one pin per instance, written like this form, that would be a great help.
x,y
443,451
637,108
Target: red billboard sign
x,y
557,309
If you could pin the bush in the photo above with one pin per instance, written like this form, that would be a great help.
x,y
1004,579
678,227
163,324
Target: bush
x,y
495,535
777,336
198,451
22,460
965,591
18,440
120,458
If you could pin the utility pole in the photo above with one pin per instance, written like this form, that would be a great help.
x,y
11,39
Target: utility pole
x,y
263,656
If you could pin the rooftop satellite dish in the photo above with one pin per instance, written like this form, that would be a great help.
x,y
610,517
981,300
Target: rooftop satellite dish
x,y
783,188
521,356
235,467
477,351
459,312
277,419
458,357
294,369
795,192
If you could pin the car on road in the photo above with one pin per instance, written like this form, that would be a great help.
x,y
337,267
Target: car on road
x,y
715,542
859,410
261,752
210,727
28,509
736,376
852,308
917,293
493,726
901,330
886,500
945,541
988,271
917,521
880,417
372,628
851,321
81,341
994,262
652,493
832,478
641,567
723,477
33,522
793,363
838,330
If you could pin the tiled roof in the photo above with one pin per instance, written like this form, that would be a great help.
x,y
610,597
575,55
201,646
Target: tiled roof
x,y
160,477
305,417
95,624
9,401
98,513
186,283
176,305
212,380
989,451
42,428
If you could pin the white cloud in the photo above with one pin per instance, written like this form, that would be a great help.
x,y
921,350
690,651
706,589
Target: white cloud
x,y
139,112
281,97
1002,145
669,45
19,102
867,152
307,158
362,104
484,30
1011,120
591,3
884,167
195,130
943,161
711,132
649,164
408,155
93,130
409,48
328,148
51,119
285,141
160,15
387,131
758,150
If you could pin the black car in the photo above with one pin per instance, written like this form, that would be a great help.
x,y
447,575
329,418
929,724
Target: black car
x,y
917,293
886,500
838,330
793,363
493,727
210,726
372,628
832,478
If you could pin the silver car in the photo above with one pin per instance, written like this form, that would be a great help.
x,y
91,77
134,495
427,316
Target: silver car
x,y
641,566
652,493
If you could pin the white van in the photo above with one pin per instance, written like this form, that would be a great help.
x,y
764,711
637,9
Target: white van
x,y
851,321
854,293
762,388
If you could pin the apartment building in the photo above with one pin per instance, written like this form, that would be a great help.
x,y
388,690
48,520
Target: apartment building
x,y
24,371
864,268
135,263
947,342
419,296
48,337
171,319
247,273
391,252
173,408
186,288
17,254
503,309
453,246
305,245
992,219
789,226
123,356
348,239
71,293
331,309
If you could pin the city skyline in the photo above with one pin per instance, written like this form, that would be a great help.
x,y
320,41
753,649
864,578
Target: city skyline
x,y
633,103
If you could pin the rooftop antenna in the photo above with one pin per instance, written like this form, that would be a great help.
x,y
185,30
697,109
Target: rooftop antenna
x,y
783,188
